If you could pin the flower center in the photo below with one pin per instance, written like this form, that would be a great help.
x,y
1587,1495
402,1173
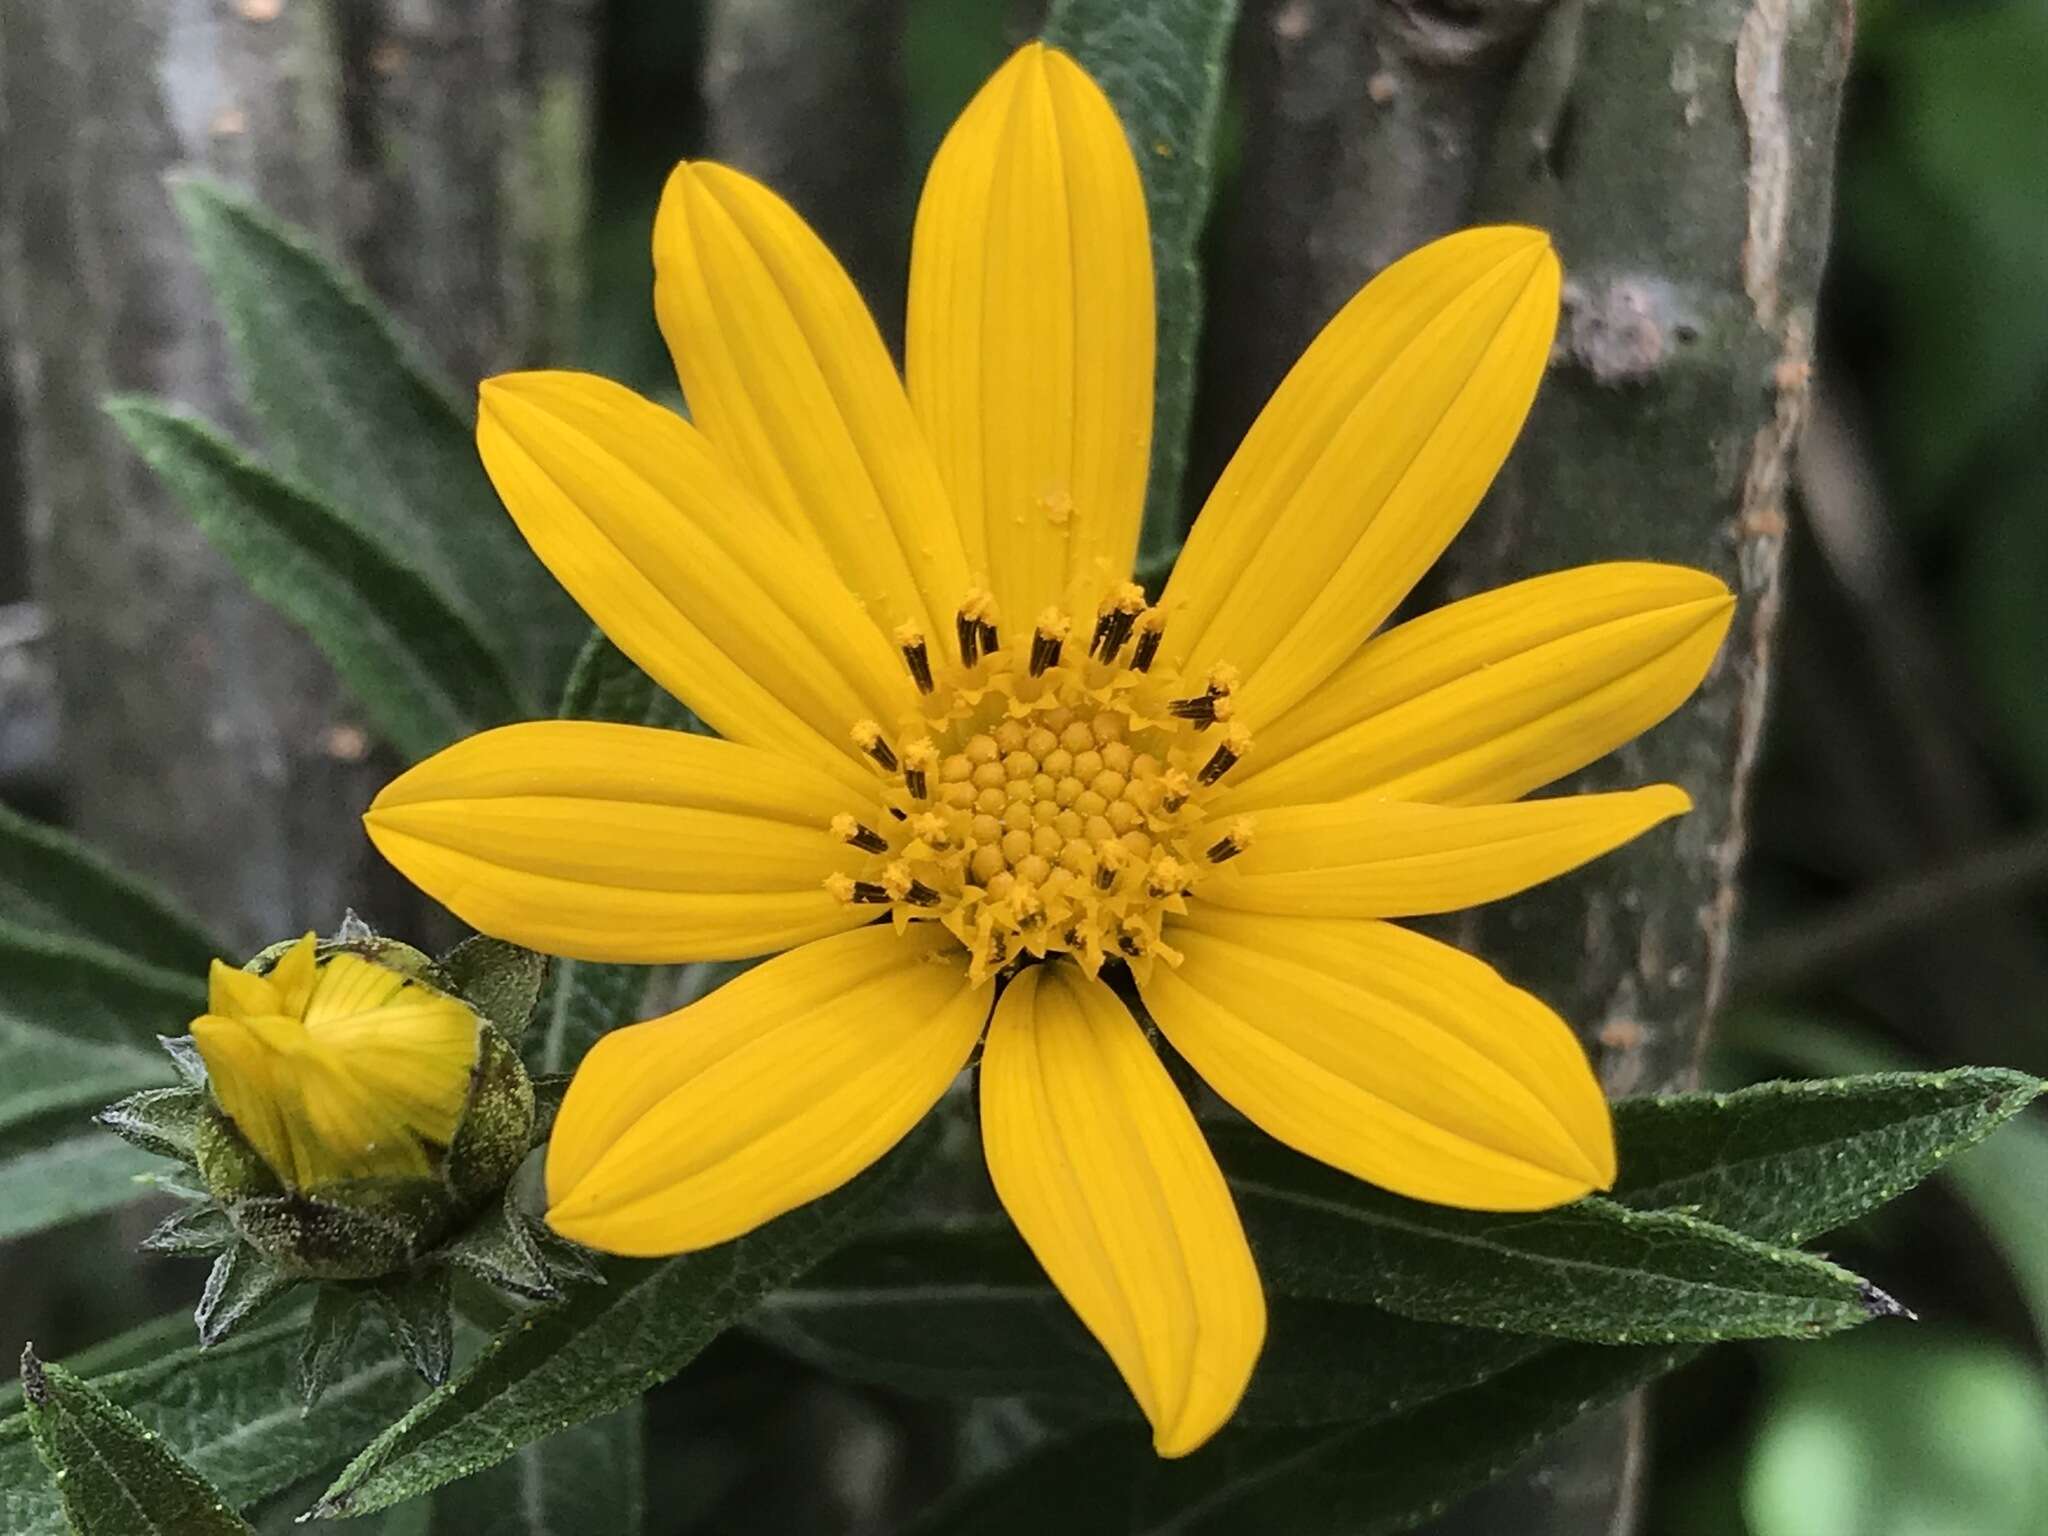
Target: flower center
x,y
1042,801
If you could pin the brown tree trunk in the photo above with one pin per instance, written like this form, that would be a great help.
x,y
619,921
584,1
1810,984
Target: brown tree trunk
x,y
438,147
1682,157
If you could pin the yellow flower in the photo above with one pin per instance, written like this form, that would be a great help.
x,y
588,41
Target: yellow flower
x,y
336,1068
907,608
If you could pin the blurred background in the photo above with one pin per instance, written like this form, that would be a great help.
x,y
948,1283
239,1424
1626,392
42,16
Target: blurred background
x,y
1895,905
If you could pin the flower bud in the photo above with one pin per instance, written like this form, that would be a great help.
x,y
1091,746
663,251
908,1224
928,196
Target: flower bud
x,y
355,1112
357,1108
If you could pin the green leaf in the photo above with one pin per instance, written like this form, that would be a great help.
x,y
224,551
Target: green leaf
x,y
230,1413
1361,1479
58,1170
138,1346
116,1478
2001,1181
78,1027
347,410
587,1480
963,1310
584,999
1789,1161
413,663
605,684
1593,1271
79,1023
567,1364
1162,66
52,883
502,981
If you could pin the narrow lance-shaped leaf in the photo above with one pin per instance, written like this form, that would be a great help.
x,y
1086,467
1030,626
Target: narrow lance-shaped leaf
x,y
1384,1475
230,1414
140,1345
963,1310
415,665
1593,1271
62,1170
78,1027
604,1346
2002,1183
1789,1161
1781,1158
116,1478
1162,67
52,883
347,410
952,1306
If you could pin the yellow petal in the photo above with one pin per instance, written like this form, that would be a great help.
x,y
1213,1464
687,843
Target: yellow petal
x,y
1101,1165
786,373
1388,1055
345,1127
1390,858
406,1044
777,1088
1488,698
1029,343
293,976
641,521
241,1070
1368,458
350,1105
615,842
238,994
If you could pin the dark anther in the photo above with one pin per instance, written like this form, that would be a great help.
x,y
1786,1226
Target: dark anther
x,y
1201,709
913,780
1224,848
869,892
1221,761
884,754
919,660
987,637
867,839
1148,647
967,629
921,895
1045,652
1129,943
1112,629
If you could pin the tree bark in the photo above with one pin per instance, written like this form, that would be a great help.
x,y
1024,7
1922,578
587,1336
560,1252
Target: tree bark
x,y
437,147
810,99
1682,157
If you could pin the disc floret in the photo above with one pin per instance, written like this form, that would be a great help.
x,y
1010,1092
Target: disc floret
x,y
1046,802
